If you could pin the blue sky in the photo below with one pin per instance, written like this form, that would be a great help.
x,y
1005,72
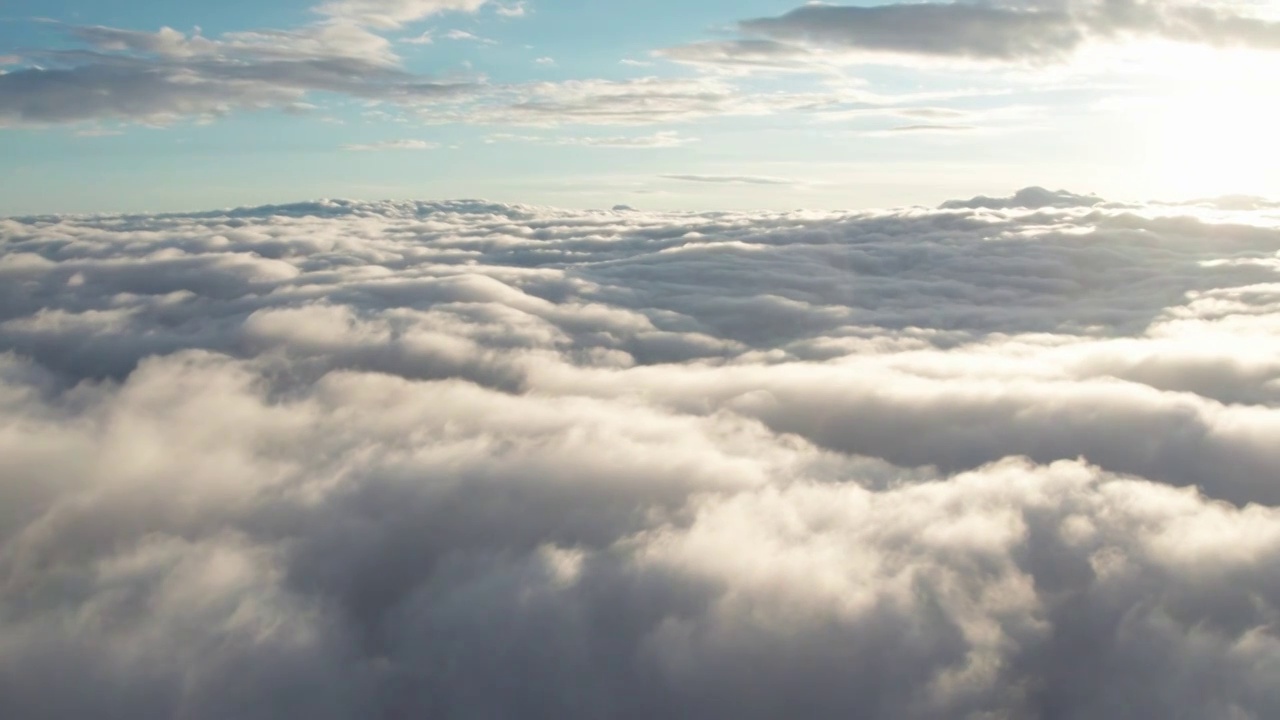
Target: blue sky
x,y
136,105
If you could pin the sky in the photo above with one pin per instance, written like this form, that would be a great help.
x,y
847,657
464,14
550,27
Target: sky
x,y
136,105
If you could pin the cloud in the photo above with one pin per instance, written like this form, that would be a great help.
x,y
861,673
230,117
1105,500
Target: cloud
x,y
516,9
394,145
602,102
463,35
744,55
425,38
963,29
930,128
818,35
1032,197
732,179
98,132
390,14
665,139
167,76
163,76
464,459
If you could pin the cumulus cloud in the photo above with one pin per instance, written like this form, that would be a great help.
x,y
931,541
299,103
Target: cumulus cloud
x,y
163,90
1032,197
1035,31
159,77
1006,458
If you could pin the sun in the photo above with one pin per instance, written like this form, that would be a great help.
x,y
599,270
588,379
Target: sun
x,y
1215,142
1218,133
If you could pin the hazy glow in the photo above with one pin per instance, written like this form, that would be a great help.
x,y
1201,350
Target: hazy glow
x,y
1215,132
1215,142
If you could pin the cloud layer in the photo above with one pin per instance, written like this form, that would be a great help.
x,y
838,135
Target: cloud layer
x,y
1009,458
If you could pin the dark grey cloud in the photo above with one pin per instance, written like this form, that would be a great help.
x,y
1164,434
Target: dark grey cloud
x,y
965,29
459,460
1037,31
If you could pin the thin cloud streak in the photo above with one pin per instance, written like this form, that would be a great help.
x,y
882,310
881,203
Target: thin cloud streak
x,y
732,179
393,145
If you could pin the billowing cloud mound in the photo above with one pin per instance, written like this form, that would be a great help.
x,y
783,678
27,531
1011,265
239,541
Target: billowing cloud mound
x,y
1032,197
461,460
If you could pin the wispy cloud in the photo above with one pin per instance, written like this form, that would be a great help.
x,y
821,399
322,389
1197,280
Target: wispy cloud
x,y
98,132
425,38
391,14
943,129
465,36
516,9
668,139
393,145
732,179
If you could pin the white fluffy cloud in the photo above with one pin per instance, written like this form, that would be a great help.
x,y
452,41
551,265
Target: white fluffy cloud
x,y
1011,458
159,77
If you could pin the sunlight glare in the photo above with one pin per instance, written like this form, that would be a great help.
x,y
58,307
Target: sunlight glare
x,y
1215,137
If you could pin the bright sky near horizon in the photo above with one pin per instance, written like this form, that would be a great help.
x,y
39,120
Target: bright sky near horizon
x,y
134,105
